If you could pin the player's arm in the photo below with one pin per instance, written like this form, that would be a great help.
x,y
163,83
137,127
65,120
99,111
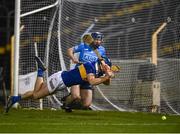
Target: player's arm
x,y
107,82
114,69
70,53
96,81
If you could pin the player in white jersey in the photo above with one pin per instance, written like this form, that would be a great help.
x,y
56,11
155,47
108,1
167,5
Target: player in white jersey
x,y
85,73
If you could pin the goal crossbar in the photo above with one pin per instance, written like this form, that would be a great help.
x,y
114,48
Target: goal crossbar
x,y
40,9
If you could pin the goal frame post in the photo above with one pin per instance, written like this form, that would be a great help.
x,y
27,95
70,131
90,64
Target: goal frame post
x,y
15,43
156,85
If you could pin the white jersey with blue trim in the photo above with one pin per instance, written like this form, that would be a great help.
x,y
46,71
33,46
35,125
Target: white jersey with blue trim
x,y
86,54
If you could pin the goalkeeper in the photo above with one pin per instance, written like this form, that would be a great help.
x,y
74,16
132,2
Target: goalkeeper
x,y
85,73
82,94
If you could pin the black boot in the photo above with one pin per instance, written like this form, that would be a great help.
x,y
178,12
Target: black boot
x,y
40,63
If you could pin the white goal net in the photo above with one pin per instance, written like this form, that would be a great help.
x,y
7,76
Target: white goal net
x,y
128,26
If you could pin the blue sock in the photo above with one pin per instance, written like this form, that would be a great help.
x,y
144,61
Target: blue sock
x,y
16,99
40,72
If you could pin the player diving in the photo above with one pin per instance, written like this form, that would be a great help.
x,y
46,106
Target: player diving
x,y
94,73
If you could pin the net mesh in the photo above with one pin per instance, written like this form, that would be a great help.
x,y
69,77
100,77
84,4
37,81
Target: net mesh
x,y
127,27
39,28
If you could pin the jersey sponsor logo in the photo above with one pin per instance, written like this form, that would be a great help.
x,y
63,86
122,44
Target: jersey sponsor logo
x,y
90,58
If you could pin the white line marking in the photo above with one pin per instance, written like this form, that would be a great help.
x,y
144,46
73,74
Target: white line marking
x,y
91,124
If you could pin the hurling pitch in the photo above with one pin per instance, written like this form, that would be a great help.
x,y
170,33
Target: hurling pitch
x,y
78,121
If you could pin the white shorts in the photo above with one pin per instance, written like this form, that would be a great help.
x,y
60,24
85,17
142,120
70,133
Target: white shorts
x,y
55,82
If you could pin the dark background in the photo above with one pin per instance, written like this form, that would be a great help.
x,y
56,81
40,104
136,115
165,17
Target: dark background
x,y
6,31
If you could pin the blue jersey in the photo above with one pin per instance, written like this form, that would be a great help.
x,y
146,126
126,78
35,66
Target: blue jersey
x,y
86,54
79,74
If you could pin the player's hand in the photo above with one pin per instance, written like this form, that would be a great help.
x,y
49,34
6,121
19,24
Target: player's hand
x,y
107,70
110,73
75,60
105,67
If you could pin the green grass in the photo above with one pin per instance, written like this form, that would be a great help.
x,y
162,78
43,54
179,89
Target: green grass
x,y
86,122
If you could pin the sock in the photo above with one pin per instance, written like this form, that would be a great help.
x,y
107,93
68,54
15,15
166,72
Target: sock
x,y
40,72
16,99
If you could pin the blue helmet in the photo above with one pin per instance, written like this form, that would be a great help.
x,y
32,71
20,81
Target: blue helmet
x,y
97,35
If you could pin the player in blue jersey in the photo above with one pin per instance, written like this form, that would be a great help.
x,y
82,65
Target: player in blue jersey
x,y
85,73
85,53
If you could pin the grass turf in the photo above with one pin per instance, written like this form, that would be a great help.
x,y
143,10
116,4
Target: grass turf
x,y
47,121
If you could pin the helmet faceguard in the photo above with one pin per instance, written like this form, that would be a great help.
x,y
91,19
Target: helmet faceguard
x,y
97,36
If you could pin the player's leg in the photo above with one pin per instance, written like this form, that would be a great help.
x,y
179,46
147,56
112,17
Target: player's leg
x,y
40,88
72,100
85,101
37,87
86,95
36,94
86,98
74,94
41,92
39,81
13,99
43,89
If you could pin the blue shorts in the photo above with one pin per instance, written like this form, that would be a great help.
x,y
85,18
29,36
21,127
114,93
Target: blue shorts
x,y
86,86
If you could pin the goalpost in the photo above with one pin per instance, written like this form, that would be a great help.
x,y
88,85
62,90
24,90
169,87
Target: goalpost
x,y
15,48
24,82
130,42
155,83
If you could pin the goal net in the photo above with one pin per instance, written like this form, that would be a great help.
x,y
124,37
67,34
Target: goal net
x,y
128,25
